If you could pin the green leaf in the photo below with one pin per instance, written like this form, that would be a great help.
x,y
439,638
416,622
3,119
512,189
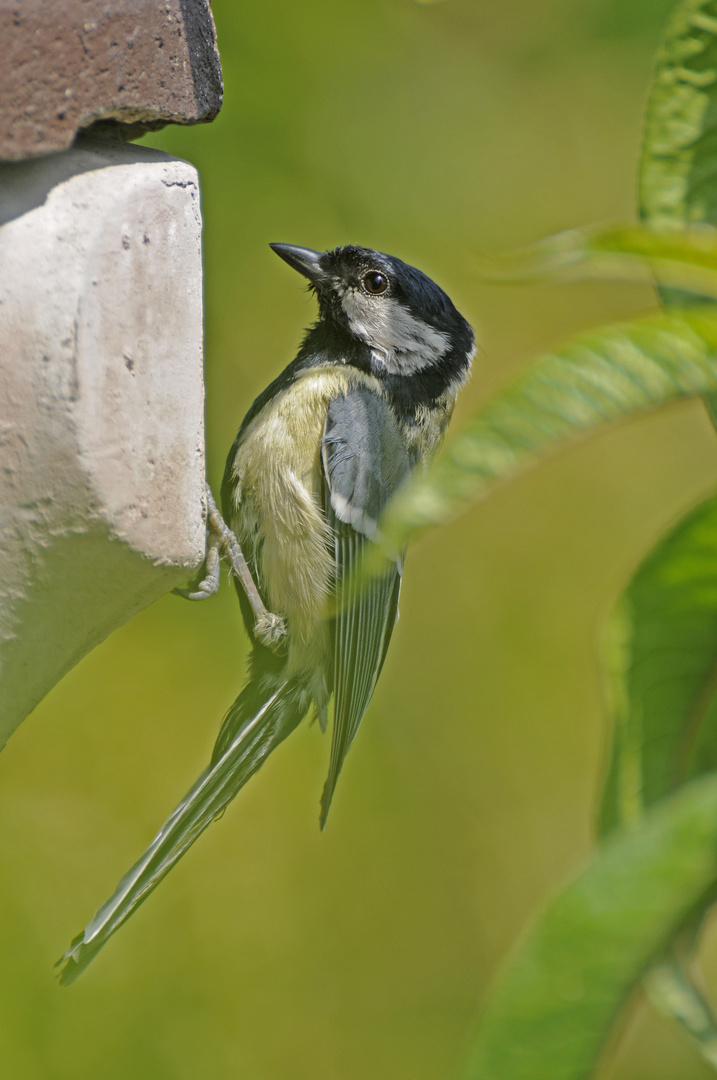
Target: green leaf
x,y
551,1011
684,259
663,648
678,178
596,380
672,992
678,169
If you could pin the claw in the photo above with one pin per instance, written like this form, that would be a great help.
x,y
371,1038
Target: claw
x,y
204,589
209,585
269,629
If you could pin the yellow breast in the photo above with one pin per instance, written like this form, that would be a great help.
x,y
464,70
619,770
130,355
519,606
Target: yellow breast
x,y
277,468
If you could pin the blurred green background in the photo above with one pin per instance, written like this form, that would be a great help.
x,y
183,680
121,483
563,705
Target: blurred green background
x,y
431,132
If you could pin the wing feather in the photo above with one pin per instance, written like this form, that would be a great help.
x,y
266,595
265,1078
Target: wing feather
x,y
365,461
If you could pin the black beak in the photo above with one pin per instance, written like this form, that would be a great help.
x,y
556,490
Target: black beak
x,y
302,259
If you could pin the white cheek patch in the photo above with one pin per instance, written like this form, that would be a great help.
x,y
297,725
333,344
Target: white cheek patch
x,y
401,343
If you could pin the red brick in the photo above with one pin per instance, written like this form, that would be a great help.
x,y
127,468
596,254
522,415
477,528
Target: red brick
x,y
131,65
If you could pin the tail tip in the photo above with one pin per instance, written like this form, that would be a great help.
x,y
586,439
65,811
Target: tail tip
x,y
326,798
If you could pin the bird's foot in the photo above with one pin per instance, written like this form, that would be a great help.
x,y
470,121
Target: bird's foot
x,y
209,584
269,629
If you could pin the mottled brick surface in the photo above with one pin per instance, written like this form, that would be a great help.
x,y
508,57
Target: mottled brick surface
x,y
134,65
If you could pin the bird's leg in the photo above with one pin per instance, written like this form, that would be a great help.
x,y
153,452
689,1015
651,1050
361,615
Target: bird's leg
x,y
270,629
209,584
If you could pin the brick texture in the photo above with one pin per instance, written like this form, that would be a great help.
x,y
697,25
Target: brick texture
x,y
127,65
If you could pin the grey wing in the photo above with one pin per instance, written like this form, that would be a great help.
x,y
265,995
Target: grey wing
x,y
364,462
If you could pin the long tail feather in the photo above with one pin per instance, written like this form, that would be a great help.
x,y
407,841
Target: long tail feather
x,y
363,627
254,726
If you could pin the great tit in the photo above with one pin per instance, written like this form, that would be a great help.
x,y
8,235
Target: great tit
x,y
317,458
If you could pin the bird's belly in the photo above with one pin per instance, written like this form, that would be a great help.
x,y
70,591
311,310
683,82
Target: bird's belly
x,y
278,476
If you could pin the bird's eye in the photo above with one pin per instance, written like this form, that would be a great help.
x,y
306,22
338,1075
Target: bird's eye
x,y
375,282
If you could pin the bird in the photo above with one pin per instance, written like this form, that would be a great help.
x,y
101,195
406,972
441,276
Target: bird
x,y
316,460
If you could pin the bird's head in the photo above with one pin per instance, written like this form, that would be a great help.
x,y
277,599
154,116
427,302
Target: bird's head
x,y
406,321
